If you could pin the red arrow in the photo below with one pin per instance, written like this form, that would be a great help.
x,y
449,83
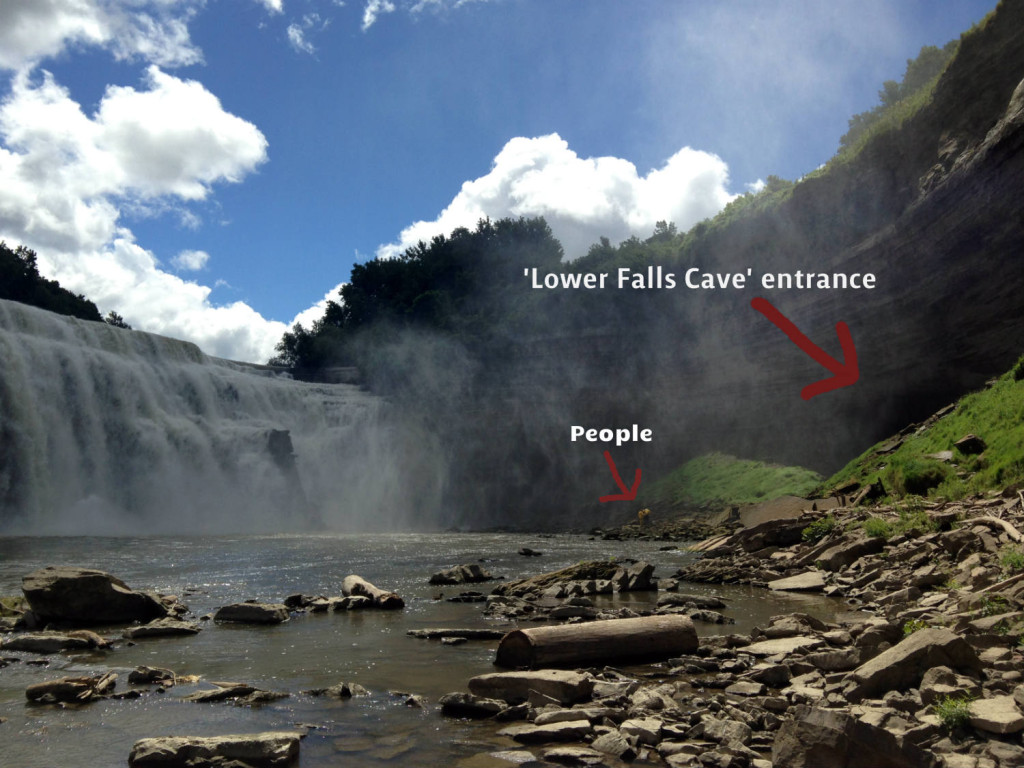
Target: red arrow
x,y
843,374
628,494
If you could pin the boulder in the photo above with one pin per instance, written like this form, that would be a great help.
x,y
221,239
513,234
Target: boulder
x,y
815,738
999,714
83,596
272,749
252,613
470,573
849,550
635,578
162,628
811,581
902,666
151,676
783,645
357,586
563,686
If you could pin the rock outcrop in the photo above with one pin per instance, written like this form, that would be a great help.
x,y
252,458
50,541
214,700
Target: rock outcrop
x,y
82,596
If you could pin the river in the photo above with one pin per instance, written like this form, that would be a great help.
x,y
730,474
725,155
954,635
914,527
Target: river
x,y
310,650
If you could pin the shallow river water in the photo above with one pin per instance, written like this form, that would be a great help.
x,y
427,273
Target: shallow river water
x,y
309,651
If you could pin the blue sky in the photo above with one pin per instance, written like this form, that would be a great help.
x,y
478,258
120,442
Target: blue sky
x,y
212,168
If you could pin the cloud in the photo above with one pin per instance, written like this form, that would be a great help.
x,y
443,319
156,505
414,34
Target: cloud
x,y
297,32
191,261
67,176
154,30
374,9
274,6
582,199
309,316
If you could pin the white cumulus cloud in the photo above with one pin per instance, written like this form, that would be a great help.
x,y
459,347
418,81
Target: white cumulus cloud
x,y
374,9
66,176
191,261
582,199
154,30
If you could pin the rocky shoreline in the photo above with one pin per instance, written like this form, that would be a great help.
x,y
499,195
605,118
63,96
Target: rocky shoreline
x,y
923,670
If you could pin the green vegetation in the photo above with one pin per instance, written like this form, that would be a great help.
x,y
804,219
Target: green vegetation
x,y
953,711
899,101
719,479
819,529
995,414
1012,560
20,281
913,625
911,518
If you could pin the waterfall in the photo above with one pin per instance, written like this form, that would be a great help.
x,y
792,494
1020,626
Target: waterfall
x,y
109,431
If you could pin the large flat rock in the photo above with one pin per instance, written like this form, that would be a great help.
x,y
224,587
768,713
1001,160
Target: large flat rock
x,y
515,687
270,749
782,645
811,581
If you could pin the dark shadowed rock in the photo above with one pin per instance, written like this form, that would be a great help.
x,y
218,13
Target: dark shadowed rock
x,y
252,613
820,738
86,597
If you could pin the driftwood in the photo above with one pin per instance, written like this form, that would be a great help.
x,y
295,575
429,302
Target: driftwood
x,y
360,587
1000,525
72,689
643,638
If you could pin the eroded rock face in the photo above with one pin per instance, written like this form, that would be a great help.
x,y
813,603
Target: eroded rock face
x,y
83,596
272,749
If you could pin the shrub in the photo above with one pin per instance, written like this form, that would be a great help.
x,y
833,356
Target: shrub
x,y
819,529
912,626
877,527
953,711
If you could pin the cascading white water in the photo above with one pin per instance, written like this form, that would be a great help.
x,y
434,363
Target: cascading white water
x,y
107,431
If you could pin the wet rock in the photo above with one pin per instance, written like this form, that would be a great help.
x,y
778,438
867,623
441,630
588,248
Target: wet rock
x,y
470,573
998,714
75,690
253,613
706,602
342,690
527,552
84,596
574,756
48,642
163,628
151,676
469,634
467,705
903,665
357,586
273,749
562,686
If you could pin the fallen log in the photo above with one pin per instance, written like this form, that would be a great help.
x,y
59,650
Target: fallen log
x,y
999,525
360,587
642,638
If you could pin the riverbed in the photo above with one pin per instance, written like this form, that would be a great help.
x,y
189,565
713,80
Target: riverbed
x,y
310,650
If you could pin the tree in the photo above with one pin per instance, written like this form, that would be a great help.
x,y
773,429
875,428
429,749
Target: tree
x,y
116,320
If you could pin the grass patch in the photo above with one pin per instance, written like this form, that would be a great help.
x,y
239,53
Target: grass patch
x,y
953,711
996,414
720,479
819,529
1012,560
